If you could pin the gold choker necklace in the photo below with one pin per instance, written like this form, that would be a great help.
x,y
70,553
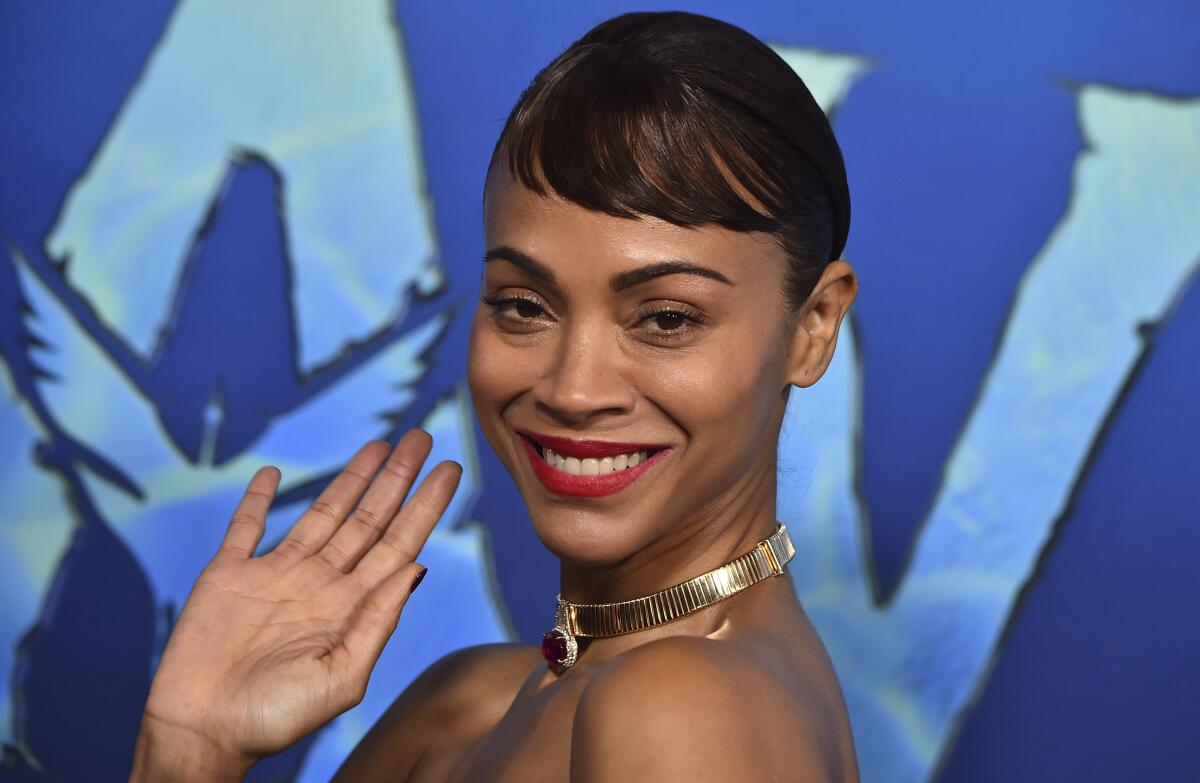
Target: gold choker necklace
x,y
768,558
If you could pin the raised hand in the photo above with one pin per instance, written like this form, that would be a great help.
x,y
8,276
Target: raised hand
x,y
269,648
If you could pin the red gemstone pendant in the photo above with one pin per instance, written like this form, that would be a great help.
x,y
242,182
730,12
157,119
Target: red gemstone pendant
x,y
559,648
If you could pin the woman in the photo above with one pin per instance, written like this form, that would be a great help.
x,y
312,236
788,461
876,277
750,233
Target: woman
x,y
664,215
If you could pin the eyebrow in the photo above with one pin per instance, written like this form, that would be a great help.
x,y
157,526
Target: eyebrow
x,y
522,261
619,282
673,267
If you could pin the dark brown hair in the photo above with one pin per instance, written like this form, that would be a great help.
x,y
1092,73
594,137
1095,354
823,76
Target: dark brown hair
x,y
651,113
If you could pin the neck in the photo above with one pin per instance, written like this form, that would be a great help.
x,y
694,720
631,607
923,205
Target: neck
x,y
735,524
707,605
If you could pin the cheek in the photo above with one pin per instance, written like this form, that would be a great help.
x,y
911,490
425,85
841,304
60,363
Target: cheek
x,y
484,365
489,386
722,393
497,371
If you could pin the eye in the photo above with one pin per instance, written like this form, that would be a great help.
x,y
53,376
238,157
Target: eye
x,y
525,308
516,312
668,320
664,323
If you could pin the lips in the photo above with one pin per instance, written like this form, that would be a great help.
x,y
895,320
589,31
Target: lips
x,y
563,483
583,449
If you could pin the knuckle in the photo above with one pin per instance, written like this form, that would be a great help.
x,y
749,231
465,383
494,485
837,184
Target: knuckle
x,y
393,540
242,519
371,519
325,509
424,505
334,556
296,545
401,470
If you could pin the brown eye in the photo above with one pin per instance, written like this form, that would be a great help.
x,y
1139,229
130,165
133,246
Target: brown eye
x,y
518,313
669,321
526,309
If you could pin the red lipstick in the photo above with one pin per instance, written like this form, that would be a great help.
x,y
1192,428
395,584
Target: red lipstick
x,y
562,483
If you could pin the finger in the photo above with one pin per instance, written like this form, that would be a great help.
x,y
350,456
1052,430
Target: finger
x,y
327,512
380,503
407,533
377,617
250,517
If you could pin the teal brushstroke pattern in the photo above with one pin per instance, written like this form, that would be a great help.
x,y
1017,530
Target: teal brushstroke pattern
x,y
173,530
1115,263
359,233
324,96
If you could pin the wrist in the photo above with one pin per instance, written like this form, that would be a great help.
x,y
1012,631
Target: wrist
x,y
167,753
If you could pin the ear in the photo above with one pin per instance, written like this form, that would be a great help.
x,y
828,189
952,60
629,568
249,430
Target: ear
x,y
815,329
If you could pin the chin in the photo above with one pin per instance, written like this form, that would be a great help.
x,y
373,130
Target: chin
x,y
591,537
594,520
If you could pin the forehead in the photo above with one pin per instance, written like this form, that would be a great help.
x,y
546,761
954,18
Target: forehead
x,y
553,229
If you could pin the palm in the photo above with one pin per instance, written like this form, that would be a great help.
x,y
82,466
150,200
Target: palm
x,y
269,648
261,645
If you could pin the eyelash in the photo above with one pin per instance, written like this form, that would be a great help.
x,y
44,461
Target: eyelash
x,y
691,319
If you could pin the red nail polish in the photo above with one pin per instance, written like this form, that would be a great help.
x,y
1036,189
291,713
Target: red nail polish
x,y
417,581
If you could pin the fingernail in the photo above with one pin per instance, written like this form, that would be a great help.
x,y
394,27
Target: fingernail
x,y
417,581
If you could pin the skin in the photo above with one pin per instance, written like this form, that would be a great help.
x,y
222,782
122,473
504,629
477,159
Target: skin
x,y
702,697
700,366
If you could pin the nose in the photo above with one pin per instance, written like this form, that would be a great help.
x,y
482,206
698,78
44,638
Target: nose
x,y
583,382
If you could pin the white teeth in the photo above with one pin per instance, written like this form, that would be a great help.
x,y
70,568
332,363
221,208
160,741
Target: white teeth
x,y
593,466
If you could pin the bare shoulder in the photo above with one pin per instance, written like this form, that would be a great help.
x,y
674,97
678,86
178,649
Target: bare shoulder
x,y
693,708
459,697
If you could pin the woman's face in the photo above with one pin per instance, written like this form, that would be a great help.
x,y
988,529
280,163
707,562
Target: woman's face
x,y
613,342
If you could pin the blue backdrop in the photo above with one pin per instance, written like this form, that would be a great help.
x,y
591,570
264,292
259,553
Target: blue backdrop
x,y
246,233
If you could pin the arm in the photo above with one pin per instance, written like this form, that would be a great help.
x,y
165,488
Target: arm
x,y
175,754
693,709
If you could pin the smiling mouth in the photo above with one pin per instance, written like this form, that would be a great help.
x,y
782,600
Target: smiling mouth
x,y
583,468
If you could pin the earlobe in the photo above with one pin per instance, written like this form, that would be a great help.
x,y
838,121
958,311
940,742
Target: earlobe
x,y
808,347
814,334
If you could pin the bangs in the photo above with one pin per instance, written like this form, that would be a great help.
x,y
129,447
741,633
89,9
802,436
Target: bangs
x,y
614,132
690,120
